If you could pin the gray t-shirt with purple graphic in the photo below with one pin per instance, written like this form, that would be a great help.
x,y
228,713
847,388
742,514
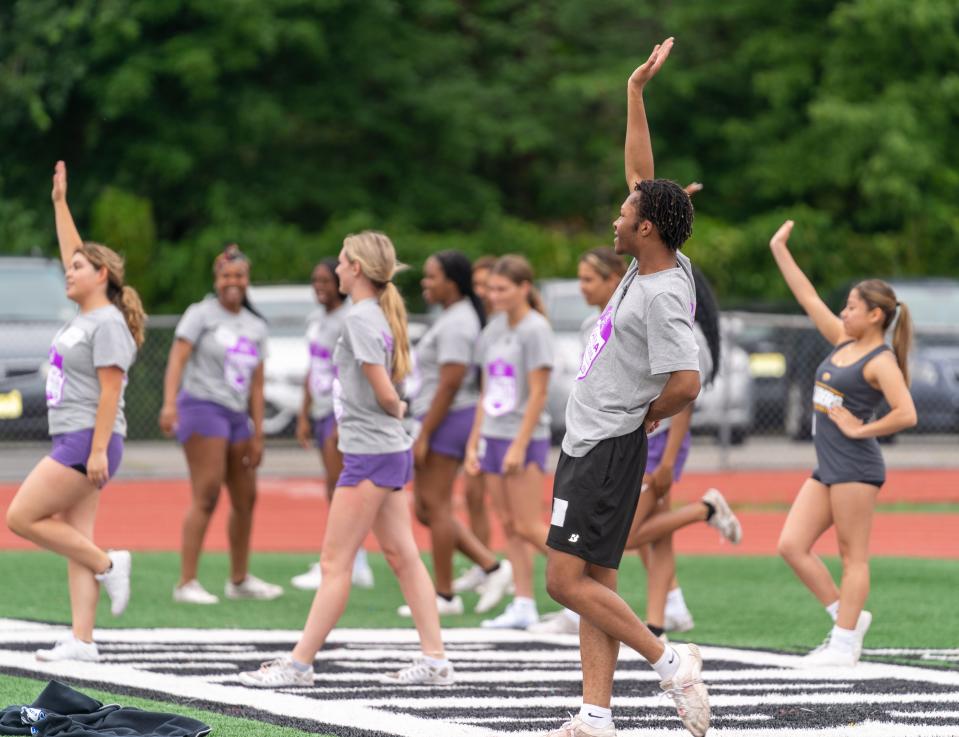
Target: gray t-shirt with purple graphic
x,y
365,428
507,355
644,334
91,340
227,348
322,331
451,339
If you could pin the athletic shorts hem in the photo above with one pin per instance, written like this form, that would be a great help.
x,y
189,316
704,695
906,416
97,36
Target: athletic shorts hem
x,y
584,556
871,482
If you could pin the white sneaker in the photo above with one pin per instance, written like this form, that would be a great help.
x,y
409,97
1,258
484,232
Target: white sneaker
x,y
688,691
576,727
70,648
445,608
517,616
723,518
829,655
862,627
309,581
556,623
423,671
472,580
678,620
116,581
495,587
278,673
252,587
362,573
192,592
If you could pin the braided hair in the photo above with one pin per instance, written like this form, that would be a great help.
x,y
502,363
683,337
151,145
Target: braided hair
x,y
667,206
707,315
457,268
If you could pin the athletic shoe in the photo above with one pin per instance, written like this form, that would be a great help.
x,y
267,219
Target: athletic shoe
x,y
688,691
495,587
862,627
423,672
829,655
192,592
723,518
309,581
446,608
70,648
576,727
278,673
678,620
362,573
517,616
555,623
472,580
252,587
116,581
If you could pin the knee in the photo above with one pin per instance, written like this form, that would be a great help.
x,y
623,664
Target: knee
x,y
557,584
244,505
17,522
204,503
789,549
399,559
421,510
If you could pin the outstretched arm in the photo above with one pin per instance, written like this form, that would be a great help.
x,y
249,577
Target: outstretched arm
x,y
67,233
639,149
805,293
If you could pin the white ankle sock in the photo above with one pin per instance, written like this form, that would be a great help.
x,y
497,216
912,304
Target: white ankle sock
x,y
525,602
596,716
435,662
674,598
571,615
360,560
833,610
843,639
667,665
300,667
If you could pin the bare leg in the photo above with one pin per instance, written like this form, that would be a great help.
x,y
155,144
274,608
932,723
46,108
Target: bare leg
x,y
852,510
241,485
661,570
84,587
433,490
525,500
206,458
597,650
517,550
476,506
332,462
809,517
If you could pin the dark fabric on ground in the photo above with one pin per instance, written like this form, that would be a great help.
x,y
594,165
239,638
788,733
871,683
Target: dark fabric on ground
x,y
59,711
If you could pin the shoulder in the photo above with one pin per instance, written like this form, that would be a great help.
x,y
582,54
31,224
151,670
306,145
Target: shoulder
x,y
882,363
536,322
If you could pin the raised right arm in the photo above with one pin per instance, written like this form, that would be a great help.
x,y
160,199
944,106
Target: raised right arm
x,y
67,233
639,148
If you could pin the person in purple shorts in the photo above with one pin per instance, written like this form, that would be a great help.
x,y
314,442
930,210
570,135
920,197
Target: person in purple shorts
x,y
56,505
509,443
316,423
444,391
213,404
372,358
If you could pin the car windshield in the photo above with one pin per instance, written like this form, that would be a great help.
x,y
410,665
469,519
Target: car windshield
x,y
565,306
931,304
34,293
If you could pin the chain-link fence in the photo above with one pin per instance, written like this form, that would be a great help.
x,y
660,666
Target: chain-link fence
x,y
764,386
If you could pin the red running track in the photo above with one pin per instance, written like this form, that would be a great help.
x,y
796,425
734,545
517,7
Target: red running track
x,y
291,515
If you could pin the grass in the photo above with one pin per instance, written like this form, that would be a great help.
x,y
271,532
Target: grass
x,y
21,691
748,601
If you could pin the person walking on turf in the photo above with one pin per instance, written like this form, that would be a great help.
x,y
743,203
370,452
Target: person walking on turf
x,y
372,358
859,373
213,404
56,505
641,366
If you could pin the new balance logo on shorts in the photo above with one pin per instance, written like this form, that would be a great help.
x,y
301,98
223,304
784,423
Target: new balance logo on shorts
x,y
574,538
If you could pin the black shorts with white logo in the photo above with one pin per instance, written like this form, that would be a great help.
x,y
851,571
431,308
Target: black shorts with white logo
x,y
595,498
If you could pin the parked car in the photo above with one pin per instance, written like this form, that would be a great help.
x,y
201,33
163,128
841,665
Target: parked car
x,y
33,306
726,402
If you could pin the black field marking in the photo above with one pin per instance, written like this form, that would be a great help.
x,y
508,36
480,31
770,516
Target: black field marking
x,y
508,683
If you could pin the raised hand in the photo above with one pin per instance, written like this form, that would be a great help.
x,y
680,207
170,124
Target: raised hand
x,y
59,193
781,237
650,67
693,187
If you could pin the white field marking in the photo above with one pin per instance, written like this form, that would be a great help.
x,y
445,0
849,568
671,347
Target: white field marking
x,y
862,729
642,718
924,714
186,666
951,652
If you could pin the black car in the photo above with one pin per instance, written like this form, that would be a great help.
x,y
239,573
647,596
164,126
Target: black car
x,y
33,306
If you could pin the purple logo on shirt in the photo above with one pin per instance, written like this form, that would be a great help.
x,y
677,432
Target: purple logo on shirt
x,y
499,395
388,339
321,370
55,378
239,363
597,342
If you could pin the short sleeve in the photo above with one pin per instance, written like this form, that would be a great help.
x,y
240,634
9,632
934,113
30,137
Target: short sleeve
x,y
538,349
669,335
192,324
263,342
455,344
113,346
367,341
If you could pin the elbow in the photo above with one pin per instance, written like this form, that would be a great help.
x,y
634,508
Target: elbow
x,y
910,419
691,389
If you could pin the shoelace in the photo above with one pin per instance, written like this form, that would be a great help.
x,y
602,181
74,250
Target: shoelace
x,y
678,695
823,646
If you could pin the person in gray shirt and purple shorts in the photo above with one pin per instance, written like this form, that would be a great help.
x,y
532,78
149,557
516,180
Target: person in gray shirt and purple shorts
x,y
56,505
371,358
213,404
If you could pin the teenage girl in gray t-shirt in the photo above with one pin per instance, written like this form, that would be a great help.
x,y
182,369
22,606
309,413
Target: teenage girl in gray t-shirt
x,y
372,359
852,381
509,443
213,404
56,505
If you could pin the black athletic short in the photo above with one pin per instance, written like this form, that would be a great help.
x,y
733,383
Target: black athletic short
x,y
595,498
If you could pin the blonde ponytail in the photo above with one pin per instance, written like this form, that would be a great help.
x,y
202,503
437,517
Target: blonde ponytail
x,y
902,340
128,302
391,302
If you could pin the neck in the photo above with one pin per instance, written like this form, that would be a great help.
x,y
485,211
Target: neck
x,y
93,302
363,289
450,301
655,258
334,306
870,338
515,316
234,308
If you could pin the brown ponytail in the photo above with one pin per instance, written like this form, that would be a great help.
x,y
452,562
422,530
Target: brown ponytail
x,y
518,270
902,339
123,297
877,294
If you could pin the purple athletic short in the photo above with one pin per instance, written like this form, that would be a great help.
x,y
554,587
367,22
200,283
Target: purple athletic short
x,y
493,450
388,470
657,444
72,449
209,419
323,428
449,439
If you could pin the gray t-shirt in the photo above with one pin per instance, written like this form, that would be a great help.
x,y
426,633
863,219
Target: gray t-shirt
x,y
322,331
91,340
644,334
507,355
227,348
705,370
365,428
451,339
